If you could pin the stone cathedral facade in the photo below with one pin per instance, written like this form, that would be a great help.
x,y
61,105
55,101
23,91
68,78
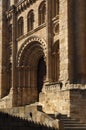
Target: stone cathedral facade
x,y
43,55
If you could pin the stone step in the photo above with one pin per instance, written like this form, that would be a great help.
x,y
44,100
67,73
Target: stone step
x,y
58,116
72,124
70,121
51,115
65,117
74,128
75,125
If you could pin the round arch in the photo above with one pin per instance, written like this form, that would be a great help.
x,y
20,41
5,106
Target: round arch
x,y
28,42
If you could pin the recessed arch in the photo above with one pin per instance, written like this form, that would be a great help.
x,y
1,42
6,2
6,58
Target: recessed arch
x,y
32,49
40,41
31,62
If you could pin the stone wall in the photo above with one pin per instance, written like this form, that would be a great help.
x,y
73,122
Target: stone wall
x,y
7,101
78,104
55,100
71,100
40,32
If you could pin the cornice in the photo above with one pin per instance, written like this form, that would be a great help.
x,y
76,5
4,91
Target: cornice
x,y
10,11
19,7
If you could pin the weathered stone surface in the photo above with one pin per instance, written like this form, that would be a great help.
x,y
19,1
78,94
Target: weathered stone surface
x,y
43,58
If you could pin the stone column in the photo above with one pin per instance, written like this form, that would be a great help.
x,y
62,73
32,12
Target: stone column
x,y
14,47
29,77
23,77
19,89
35,81
3,48
18,77
14,51
27,93
80,41
26,77
49,41
53,66
63,38
28,81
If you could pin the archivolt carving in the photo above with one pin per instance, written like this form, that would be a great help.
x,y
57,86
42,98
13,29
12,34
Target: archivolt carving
x,y
30,40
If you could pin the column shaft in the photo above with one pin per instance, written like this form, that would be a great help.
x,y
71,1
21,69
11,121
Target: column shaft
x,y
49,41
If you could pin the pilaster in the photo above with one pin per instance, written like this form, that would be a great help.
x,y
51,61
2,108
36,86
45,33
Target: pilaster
x,y
80,40
49,41
0,46
3,49
63,37
14,51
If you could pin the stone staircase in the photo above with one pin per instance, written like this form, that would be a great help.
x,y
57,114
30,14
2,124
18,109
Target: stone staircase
x,y
9,122
51,121
69,123
32,112
72,124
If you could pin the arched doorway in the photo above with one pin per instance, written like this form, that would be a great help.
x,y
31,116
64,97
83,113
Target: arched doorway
x,y
31,73
41,74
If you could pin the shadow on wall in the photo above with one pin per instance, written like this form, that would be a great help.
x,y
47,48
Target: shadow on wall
x,y
8,122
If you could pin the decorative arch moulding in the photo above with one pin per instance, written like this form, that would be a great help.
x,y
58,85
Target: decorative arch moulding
x,y
42,44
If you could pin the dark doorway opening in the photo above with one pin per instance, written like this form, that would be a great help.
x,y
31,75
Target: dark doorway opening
x,y
41,74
